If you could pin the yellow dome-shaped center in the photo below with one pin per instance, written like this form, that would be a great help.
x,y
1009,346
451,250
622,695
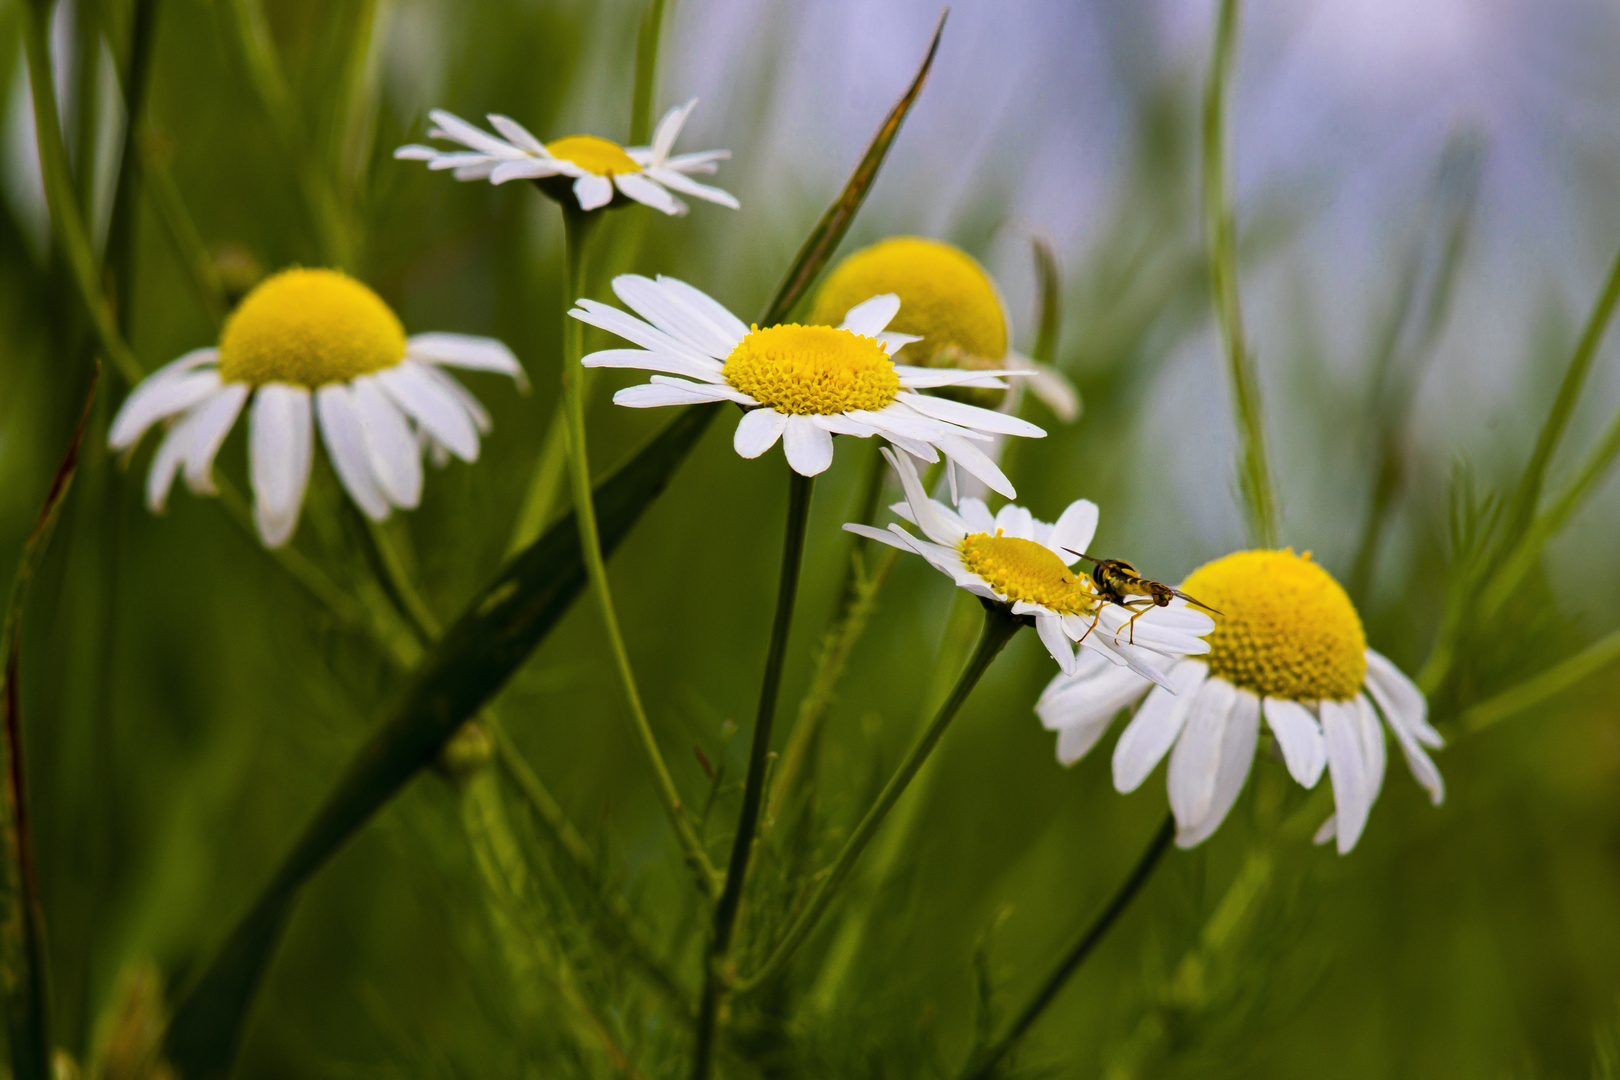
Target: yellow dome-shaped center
x,y
945,297
594,155
812,370
309,327
1024,570
1288,631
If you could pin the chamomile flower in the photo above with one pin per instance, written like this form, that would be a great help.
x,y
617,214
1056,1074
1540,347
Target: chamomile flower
x,y
1289,648
800,384
310,347
952,305
1014,559
590,171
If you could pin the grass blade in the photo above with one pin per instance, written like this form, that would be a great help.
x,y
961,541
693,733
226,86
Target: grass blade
x,y
22,924
476,656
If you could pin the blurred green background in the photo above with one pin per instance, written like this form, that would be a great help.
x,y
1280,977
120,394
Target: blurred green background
x,y
1427,202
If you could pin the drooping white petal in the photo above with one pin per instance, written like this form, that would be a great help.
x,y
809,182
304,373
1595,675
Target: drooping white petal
x,y
346,446
395,457
758,431
1195,763
158,397
593,192
433,408
971,416
1238,742
1073,532
673,311
171,452
679,181
871,317
281,449
977,463
928,514
1053,388
1417,759
1405,699
1371,733
1154,728
1050,629
208,425
1347,768
475,411
1076,741
809,448
1300,738
648,193
466,351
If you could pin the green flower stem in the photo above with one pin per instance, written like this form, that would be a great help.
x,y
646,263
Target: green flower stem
x,y
715,973
999,627
402,591
983,1065
578,226
67,221
1220,232
544,483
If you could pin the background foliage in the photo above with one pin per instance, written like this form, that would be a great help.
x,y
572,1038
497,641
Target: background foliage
x,y
188,706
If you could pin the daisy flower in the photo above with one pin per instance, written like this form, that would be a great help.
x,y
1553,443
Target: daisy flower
x,y
1014,559
1290,648
953,306
800,384
590,171
310,347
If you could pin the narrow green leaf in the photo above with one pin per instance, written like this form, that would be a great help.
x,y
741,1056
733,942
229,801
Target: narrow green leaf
x,y
465,668
643,101
22,924
1049,283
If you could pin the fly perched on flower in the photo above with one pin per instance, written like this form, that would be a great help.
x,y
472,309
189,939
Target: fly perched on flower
x,y
800,384
1117,582
1290,648
308,345
592,171
1014,559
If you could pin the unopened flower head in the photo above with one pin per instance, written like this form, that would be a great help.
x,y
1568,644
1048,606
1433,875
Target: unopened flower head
x,y
1290,649
954,308
308,346
1013,558
590,171
800,384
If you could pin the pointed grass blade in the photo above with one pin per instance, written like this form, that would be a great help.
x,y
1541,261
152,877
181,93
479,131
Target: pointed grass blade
x,y
1049,283
476,656
22,923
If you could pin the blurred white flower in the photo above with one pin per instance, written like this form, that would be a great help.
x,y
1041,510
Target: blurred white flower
x,y
1290,648
1015,559
307,346
800,384
589,170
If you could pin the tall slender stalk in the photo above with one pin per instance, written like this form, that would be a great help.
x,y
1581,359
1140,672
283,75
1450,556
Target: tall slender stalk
x,y
999,627
983,1065
578,226
1220,234
742,844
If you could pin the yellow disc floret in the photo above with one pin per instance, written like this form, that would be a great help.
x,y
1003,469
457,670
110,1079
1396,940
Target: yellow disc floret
x,y
812,370
945,297
594,155
309,327
1288,631
1024,570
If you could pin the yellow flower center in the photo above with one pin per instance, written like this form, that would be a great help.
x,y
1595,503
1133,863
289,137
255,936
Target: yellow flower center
x,y
1024,570
1288,631
945,297
309,327
812,370
594,155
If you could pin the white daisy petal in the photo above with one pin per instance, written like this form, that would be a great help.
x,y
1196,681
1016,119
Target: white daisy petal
x,y
642,360
971,416
1328,830
916,378
468,352
930,517
647,192
1055,391
158,397
703,161
1300,738
345,440
1418,761
679,181
732,329
657,395
1347,768
518,135
433,408
977,463
1404,697
525,169
1237,758
207,426
1050,628
453,127
669,129
674,312
609,318
758,431
871,317
393,452
1371,733
809,448
474,410
1156,725
1195,763
1073,532
976,516
593,192
171,453
1075,742
281,450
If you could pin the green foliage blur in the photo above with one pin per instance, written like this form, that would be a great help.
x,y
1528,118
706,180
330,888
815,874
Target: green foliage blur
x,y
187,705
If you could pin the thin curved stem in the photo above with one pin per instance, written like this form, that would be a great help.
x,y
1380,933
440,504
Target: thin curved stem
x,y
742,845
999,627
578,226
983,1065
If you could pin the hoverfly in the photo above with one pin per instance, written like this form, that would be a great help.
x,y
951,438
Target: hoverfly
x,y
1117,582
